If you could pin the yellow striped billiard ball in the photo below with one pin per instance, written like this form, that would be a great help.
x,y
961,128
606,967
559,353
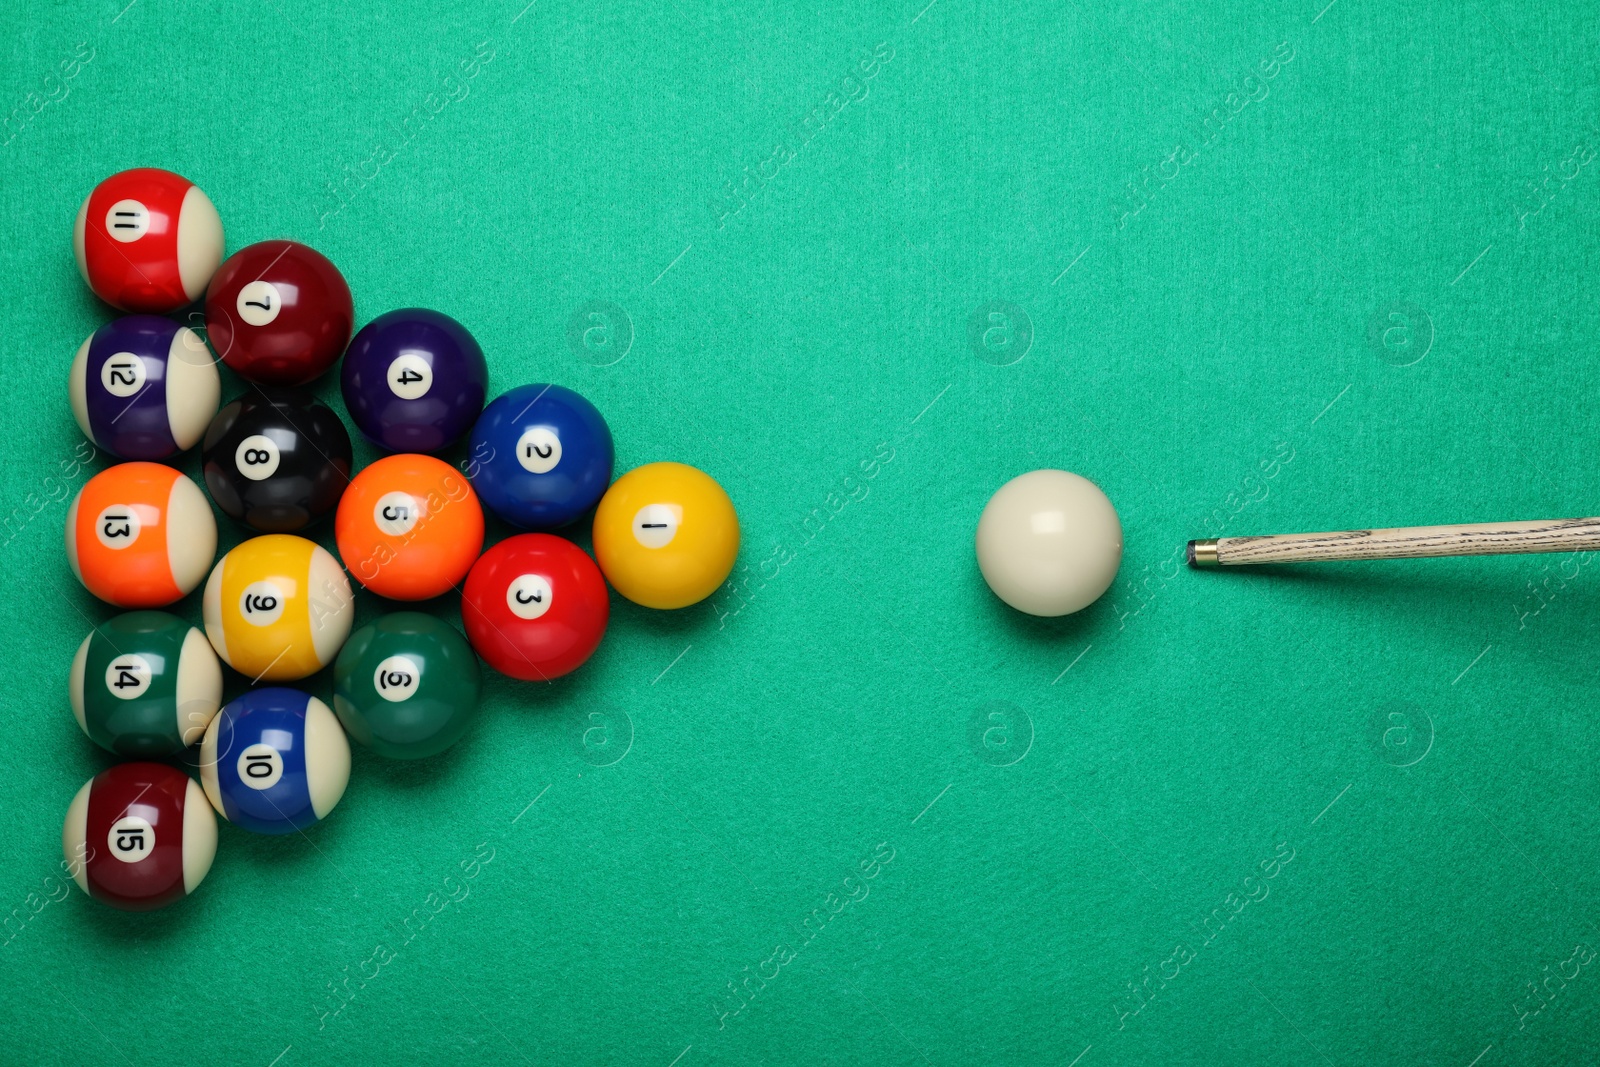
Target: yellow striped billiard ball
x,y
277,608
665,535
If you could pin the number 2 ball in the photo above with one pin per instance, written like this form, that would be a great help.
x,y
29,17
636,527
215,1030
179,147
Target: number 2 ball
x,y
275,761
279,313
414,380
147,240
140,535
542,455
276,460
535,607
139,836
143,387
145,685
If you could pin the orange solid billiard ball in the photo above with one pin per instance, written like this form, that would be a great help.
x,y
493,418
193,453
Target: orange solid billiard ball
x,y
409,527
140,535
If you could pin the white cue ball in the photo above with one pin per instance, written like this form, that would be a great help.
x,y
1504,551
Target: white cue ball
x,y
1049,543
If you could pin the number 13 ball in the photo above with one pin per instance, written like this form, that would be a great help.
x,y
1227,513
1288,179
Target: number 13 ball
x,y
277,608
140,535
147,240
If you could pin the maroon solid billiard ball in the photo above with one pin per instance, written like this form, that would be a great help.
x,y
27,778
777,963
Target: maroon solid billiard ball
x,y
147,240
535,606
139,836
279,313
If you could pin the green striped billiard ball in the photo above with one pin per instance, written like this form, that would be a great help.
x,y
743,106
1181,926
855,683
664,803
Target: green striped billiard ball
x,y
145,685
406,686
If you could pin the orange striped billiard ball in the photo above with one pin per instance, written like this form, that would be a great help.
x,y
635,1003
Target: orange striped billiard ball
x,y
140,535
409,527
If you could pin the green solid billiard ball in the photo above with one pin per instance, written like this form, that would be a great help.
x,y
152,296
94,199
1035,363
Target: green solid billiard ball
x,y
145,685
406,686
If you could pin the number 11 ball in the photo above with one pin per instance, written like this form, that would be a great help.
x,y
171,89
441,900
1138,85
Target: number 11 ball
x,y
139,836
144,387
414,380
1049,543
147,240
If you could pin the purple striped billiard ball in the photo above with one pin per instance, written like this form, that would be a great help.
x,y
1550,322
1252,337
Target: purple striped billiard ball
x,y
144,387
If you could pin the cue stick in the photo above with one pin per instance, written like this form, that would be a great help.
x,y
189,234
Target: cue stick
x,y
1408,542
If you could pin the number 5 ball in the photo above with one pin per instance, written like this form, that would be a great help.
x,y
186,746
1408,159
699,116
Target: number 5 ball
x,y
144,387
139,836
275,761
147,240
666,535
277,608
140,535
409,527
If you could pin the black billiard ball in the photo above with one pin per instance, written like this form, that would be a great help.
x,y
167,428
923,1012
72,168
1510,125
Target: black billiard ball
x,y
276,460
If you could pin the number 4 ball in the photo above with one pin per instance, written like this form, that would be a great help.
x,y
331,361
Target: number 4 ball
x,y
1049,543
147,240
414,380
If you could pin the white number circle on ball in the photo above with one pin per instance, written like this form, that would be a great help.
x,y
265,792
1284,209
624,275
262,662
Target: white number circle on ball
x,y
410,376
128,677
396,678
261,603
123,374
655,525
259,303
127,221
117,526
529,596
257,457
396,513
131,839
539,450
260,766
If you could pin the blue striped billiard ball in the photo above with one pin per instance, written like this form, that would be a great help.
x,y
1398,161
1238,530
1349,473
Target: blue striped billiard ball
x,y
540,457
144,388
275,761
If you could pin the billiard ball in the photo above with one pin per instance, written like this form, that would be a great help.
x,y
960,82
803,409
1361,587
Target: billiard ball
x,y
276,460
139,836
143,387
147,240
409,527
542,456
145,685
1049,543
414,380
140,535
277,608
535,607
666,535
279,313
406,686
274,761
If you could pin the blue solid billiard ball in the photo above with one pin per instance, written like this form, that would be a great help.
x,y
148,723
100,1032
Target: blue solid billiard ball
x,y
274,761
413,380
144,387
542,456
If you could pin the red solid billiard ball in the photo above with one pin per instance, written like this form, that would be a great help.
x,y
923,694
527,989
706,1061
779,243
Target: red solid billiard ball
x,y
279,313
139,836
535,606
147,240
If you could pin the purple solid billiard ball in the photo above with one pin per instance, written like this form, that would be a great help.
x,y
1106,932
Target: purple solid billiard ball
x,y
144,388
414,380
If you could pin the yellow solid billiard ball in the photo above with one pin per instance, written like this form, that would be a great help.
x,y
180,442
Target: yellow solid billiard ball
x,y
665,535
277,608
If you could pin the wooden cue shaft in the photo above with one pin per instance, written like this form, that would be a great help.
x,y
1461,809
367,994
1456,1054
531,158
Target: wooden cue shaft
x,y
1409,542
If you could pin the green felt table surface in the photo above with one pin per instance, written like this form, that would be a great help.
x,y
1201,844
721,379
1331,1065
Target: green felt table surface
x,y
1251,267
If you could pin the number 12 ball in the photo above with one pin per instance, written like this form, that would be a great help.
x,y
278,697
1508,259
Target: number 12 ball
x,y
543,456
144,387
414,380
275,761
147,240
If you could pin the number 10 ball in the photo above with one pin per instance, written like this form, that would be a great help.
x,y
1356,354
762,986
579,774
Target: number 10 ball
x,y
275,761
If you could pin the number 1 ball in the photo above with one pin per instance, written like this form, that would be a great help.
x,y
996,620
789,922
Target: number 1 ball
x,y
279,313
140,535
276,460
414,380
1049,543
139,836
406,686
143,387
275,761
666,535
535,607
145,685
147,240
543,456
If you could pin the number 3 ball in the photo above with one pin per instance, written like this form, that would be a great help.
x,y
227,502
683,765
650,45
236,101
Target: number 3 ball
x,y
535,607
407,686
144,387
139,836
277,608
147,240
275,761
276,460
140,535
414,380
409,527
542,455
145,685
279,313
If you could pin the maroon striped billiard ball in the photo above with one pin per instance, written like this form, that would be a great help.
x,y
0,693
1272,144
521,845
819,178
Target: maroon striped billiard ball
x,y
139,836
279,313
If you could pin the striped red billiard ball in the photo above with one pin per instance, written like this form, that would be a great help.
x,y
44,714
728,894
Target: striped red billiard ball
x,y
139,836
147,240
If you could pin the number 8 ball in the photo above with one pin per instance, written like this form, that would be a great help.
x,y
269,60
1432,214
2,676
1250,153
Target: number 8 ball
x,y
276,460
